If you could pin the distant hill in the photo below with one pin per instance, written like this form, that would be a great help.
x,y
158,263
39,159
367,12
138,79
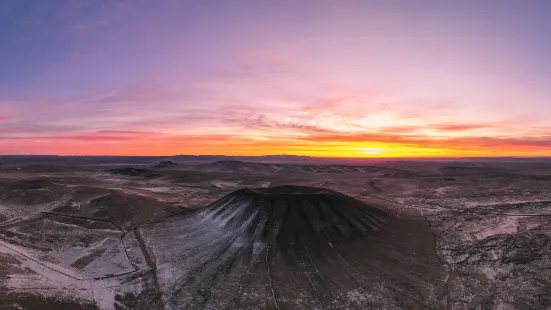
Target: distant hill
x,y
269,159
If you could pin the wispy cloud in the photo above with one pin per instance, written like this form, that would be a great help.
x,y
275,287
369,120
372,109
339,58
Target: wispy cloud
x,y
241,115
314,143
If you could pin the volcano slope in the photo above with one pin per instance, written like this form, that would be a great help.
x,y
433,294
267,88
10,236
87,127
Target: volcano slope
x,y
292,247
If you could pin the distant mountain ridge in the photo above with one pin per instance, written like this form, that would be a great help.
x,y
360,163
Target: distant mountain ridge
x,y
269,159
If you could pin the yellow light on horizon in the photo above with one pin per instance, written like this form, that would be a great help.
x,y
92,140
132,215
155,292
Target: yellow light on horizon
x,y
372,151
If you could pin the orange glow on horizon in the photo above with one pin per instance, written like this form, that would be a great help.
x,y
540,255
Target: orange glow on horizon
x,y
165,145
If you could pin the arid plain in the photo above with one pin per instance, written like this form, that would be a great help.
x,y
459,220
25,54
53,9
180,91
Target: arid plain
x,y
205,232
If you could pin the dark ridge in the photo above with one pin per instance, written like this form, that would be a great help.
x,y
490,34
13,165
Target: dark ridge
x,y
228,163
231,165
165,163
130,171
30,184
540,177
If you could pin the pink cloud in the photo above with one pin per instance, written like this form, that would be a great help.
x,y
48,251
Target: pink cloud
x,y
99,136
151,143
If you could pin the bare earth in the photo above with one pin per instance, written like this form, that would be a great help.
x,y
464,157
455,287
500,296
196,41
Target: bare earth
x,y
190,232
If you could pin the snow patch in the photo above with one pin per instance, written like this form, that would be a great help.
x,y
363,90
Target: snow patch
x,y
225,184
507,226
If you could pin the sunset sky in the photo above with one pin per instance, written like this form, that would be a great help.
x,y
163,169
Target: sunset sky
x,y
321,78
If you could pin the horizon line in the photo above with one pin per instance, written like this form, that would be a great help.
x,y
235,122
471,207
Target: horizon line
x,y
280,155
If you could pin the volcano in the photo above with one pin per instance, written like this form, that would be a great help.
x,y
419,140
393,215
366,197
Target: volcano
x,y
291,247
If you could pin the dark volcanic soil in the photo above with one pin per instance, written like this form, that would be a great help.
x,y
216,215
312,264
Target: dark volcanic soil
x,y
295,247
284,217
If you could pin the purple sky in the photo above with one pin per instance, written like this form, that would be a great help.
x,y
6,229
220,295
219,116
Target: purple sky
x,y
328,78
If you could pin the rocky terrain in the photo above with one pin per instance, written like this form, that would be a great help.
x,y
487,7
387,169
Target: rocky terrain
x,y
210,233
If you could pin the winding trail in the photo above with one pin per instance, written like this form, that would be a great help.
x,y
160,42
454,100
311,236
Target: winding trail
x,y
150,260
92,288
